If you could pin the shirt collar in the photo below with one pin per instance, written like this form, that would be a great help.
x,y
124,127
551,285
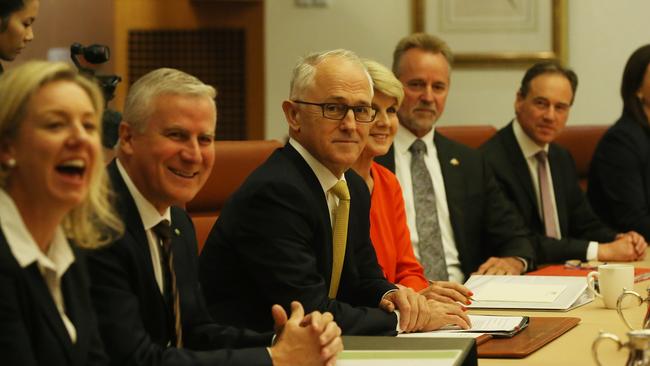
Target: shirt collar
x,y
148,213
325,177
24,247
405,138
527,145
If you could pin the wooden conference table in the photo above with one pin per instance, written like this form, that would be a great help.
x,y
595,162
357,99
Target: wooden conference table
x,y
574,346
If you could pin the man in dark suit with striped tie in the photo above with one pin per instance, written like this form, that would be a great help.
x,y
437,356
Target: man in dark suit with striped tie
x,y
145,289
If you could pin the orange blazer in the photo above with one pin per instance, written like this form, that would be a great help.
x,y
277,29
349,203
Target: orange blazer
x,y
389,232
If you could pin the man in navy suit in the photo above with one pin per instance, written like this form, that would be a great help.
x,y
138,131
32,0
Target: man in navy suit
x,y
540,177
145,289
479,229
277,231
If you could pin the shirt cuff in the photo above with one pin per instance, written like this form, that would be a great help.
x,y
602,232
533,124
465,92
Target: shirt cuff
x,y
397,327
592,251
525,262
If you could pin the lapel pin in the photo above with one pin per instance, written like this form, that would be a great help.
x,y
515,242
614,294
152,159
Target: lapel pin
x,y
177,232
454,162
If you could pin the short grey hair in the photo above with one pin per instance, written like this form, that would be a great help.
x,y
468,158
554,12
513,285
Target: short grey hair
x,y
305,69
425,42
164,81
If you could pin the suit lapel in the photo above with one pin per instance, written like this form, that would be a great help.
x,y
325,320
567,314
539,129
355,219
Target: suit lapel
x,y
77,311
452,175
314,186
43,298
134,228
519,166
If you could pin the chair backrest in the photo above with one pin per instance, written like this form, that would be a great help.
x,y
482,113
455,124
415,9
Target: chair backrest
x,y
581,141
234,161
470,135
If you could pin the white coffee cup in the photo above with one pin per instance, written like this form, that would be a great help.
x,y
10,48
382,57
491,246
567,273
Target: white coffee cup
x,y
612,280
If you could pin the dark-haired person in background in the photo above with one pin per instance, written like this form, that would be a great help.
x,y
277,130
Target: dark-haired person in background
x,y
16,19
540,177
619,177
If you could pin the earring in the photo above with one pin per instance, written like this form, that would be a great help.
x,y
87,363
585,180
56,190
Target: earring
x,y
11,163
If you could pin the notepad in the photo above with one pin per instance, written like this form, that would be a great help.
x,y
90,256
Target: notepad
x,y
528,292
495,325
519,292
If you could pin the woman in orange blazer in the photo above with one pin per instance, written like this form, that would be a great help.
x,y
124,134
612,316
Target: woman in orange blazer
x,y
388,229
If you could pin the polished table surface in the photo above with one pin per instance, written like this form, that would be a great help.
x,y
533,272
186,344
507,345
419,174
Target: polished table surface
x,y
574,346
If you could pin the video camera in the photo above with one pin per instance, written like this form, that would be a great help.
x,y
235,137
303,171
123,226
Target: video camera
x,y
98,54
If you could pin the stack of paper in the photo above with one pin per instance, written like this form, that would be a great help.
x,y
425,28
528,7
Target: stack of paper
x,y
498,326
528,292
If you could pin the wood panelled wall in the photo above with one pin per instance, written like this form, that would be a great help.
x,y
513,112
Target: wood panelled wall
x,y
192,15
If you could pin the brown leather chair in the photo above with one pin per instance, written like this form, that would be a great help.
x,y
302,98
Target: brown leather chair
x,y
581,141
234,161
470,135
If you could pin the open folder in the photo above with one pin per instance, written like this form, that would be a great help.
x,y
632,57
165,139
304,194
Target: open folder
x,y
528,292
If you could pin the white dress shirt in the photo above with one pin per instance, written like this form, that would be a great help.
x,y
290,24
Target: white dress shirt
x,y
150,218
401,144
52,264
530,149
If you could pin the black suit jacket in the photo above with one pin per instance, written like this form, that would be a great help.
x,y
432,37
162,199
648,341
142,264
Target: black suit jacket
x,y
619,177
578,223
31,329
273,244
483,220
134,318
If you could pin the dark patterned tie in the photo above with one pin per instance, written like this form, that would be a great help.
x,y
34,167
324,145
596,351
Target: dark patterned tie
x,y
548,214
432,254
339,234
164,233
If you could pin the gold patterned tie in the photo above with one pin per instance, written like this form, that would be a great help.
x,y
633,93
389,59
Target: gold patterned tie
x,y
340,234
164,232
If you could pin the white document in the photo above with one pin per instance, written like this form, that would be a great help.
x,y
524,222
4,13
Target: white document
x,y
487,323
516,292
402,358
528,292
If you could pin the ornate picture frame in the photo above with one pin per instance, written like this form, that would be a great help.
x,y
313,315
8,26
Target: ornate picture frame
x,y
496,32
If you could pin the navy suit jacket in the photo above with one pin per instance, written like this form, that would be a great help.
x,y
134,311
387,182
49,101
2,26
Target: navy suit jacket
x,y
578,223
272,244
483,220
619,177
135,319
31,329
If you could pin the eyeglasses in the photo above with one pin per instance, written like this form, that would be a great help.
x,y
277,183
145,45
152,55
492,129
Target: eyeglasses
x,y
338,111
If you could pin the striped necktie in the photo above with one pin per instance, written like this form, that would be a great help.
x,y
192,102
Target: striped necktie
x,y
164,232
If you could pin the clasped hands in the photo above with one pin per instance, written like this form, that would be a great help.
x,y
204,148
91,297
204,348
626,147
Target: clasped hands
x,y
422,312
312,339
629,246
